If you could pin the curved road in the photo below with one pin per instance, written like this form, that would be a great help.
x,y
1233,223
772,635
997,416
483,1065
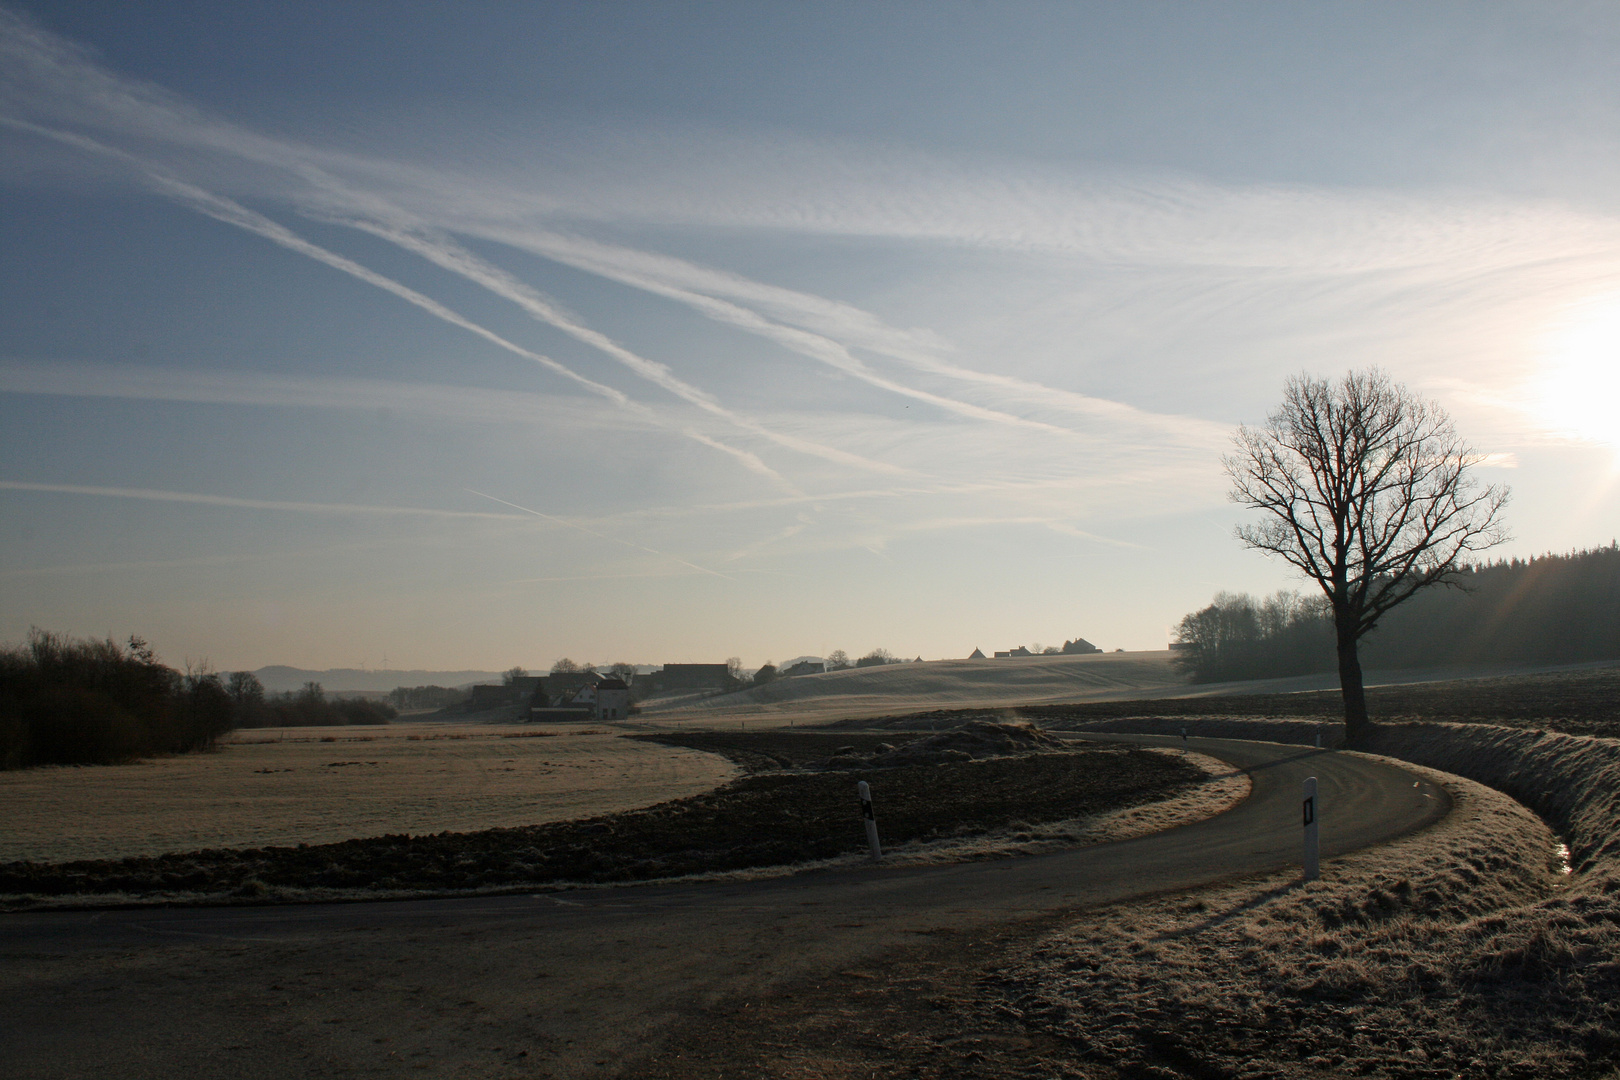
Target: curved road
x,y
575,983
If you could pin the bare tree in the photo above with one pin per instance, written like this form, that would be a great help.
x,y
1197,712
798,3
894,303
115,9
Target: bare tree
x,y
245,689
1368,493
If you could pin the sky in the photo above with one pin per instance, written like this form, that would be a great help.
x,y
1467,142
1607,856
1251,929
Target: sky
x,y
432,335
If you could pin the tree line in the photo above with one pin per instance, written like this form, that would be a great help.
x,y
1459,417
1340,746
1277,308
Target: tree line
x,y
67,701
1550,609
837,660
308,706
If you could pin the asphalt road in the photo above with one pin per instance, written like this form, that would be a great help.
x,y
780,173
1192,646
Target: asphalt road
x,y
582,983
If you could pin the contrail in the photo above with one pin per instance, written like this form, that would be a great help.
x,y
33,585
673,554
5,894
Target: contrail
x,y
704,288
451,256
804,342
196,499
602,536
143,106
232,213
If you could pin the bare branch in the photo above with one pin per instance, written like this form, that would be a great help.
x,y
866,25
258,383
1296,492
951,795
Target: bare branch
x,y
1365,488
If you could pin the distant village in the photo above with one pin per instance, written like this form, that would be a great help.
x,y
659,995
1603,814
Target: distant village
x,y
577,692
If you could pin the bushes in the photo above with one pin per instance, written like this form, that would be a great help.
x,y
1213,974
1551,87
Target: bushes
x,y
86,702
307,707
66,702
65,725
427,697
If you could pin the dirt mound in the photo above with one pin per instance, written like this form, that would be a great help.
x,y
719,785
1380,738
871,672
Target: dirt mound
x,y
970,742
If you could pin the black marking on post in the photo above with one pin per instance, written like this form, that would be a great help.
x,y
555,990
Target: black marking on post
x,y
1310,810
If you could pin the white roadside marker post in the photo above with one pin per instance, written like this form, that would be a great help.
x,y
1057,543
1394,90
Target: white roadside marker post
x,y
871,819
1313,836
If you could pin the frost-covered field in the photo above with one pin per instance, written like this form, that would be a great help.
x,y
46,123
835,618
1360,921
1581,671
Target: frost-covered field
x,y
316,785
938,684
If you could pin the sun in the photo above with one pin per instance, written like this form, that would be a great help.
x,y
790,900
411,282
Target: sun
x,y
1579,383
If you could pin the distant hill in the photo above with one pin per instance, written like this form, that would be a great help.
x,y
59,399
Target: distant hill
x,y
941,684
277,679
894,689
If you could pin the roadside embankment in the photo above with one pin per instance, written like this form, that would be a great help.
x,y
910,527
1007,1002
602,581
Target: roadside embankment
x,y
1572,781
1459,951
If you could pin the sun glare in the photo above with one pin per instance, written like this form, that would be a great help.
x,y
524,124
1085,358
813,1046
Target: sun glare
x,y
1579,384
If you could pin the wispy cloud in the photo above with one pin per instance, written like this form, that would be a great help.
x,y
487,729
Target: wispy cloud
x,y
594,534
135,108
201,499
1056,394
820,186
827,330
446,253
1013,469
233,213
141,382
806,343
89,94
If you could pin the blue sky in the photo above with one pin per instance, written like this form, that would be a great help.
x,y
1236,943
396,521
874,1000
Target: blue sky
x,y
473,335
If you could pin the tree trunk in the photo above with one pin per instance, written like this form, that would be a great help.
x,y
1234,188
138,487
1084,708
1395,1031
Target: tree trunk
x,y
1355,696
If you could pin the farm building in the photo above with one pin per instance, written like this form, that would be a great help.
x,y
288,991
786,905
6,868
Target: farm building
x,y
524,687
486,696
521,692
599,698
686,677
564,684
612,699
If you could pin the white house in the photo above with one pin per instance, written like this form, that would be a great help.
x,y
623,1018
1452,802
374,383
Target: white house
x,y
609,699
